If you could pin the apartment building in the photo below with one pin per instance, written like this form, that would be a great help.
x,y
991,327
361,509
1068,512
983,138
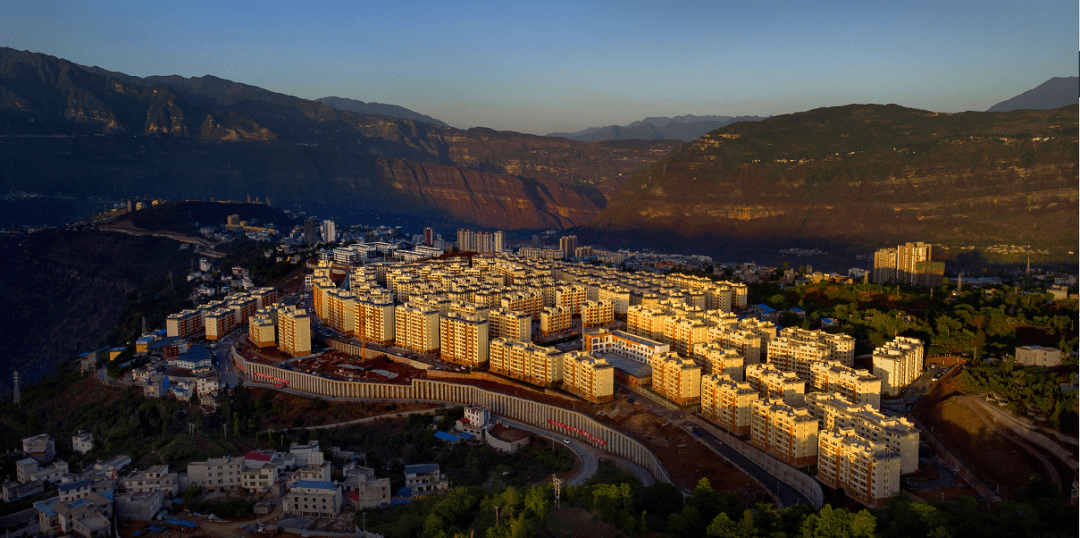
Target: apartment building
x,y
1038,356
571,297
41,447
294,331
464,339
717,360
262,329
216,474
622,343
784,431
856,386
867,471
375,317
555,319
796,355
597,313
685,333
727,402
749,337
676,378
619,297
185,323
776,384
898,363
542,366
896,433
416,328
588,376
313,498
510,324
523,299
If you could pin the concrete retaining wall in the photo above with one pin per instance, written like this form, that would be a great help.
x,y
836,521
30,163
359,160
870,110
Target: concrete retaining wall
x,y
521,409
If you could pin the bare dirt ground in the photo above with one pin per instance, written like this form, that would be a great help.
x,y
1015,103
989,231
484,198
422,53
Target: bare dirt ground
x,y
686,460
993,457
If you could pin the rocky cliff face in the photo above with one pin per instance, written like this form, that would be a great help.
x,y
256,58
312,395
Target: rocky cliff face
x,y
209,137
866,174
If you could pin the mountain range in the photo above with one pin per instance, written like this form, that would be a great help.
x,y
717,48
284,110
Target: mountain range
x,y
84,132
858,173
686,128
863,174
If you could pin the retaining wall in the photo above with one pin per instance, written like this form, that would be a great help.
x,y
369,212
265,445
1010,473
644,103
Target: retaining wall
x,y
783,472
521,409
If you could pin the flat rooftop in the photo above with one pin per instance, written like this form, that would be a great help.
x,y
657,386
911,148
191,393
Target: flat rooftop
x,y
628,365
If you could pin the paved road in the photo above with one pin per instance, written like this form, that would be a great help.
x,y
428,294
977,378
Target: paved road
x,y
984,414
585,453
1026,430
946,479
785,494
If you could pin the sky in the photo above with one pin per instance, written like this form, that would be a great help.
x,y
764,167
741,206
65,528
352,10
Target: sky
x,y
541,67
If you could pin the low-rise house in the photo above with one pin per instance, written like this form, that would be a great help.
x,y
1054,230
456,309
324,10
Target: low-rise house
x,y
363,490
425,479
216,474
82,442
156,478
313,498
139,506
13,491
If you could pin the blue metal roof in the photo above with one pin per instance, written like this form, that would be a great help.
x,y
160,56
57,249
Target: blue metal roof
x,y
422,468
74,485
448,437
315,484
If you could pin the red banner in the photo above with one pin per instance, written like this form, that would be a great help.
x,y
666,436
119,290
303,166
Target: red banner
x,y
578,431
272,378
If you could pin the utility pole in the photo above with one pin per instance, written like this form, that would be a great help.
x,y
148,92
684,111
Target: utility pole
x,y
558,489
16,388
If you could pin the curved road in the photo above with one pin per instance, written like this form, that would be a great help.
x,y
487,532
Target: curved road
x,y
1051,469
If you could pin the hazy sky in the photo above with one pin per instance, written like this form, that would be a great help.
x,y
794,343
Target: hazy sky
x,y
539,67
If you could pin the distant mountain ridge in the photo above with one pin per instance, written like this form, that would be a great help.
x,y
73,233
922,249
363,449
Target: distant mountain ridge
x,y
82,132
378,109
686,128
860,174
1054,93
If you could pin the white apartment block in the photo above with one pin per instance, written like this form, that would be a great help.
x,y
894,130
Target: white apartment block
x,y
526,361
1038,356
216,474
629,345
717,360
597,313
676,378
789,433
727,402
896,433
555,319
510,324
464,339
416,328
867,471
776,384
587,376
898,363
525,300
856,386
313,498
